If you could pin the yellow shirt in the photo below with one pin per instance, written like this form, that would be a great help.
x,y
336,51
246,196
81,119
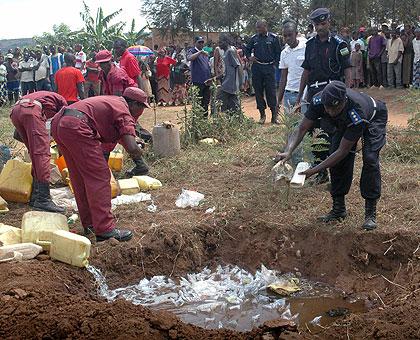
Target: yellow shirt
x,y
393,47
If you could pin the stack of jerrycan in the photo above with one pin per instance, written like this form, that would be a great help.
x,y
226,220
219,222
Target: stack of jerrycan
x,y
51,232
16,181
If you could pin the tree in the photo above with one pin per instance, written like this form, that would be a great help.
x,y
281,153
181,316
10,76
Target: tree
x,y
61,35
98,32
134,37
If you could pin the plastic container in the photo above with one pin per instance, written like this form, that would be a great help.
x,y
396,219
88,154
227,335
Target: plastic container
x,y
3,205
38,227
10,235
70,248
166,141
115,187
28,251
115,161
61,163
299,180
148,183
16,181
129,186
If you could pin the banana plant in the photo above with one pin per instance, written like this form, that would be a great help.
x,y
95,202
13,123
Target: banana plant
x,y
134,37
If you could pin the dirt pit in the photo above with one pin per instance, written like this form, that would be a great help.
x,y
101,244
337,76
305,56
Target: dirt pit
x,y
252,225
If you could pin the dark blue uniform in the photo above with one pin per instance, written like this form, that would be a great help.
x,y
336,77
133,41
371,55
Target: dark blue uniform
x,y
365,118
266,50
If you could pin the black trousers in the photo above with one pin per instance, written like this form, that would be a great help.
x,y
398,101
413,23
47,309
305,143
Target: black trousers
x,y
204,93
264,80
376,71
230,102
370,179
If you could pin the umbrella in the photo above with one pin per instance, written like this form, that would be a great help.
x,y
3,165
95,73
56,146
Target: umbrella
x,y
140,51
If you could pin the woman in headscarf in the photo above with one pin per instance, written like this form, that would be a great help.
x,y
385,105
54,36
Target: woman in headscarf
x,y
163,71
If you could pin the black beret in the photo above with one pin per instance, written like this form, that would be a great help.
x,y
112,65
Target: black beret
x,y
334,93
320,15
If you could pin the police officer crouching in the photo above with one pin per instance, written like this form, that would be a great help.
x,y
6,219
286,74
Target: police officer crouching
x,y
263,51
355,115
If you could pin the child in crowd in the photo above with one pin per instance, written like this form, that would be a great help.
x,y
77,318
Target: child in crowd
x,y
356,66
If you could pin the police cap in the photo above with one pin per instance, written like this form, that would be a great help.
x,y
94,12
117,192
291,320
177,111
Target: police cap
x,y
320,15
334,93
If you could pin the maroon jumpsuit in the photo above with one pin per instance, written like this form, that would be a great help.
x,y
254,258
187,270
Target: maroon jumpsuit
x,y
29,117
106,119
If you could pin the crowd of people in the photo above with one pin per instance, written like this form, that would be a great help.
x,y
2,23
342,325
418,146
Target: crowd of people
x,y
94,102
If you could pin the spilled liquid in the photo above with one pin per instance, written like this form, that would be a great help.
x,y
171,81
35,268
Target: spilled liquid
x,y
230,297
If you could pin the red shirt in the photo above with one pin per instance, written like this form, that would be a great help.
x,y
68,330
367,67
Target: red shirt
x,y
92,70
66,80
163,66
116,81
130,64
109,116
51,102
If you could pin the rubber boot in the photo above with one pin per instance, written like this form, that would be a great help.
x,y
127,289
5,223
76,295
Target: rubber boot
x,y
43,200
34,192
337,213
370,215
274,119
118,234
262,117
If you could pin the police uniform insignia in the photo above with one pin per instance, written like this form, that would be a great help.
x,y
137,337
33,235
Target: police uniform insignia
x,y
355,118
344,51
316,100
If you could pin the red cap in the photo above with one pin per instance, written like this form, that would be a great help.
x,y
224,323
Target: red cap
x,y
103,56
136,94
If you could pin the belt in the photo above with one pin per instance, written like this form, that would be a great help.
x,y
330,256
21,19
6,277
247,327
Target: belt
x,y
27,100
261,63
318,84
73,113
374,109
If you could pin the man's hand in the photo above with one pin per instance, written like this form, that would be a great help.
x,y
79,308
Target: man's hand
x,y
283,156
204,52
308,173
395,62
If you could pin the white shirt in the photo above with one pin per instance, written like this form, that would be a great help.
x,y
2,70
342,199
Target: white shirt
x,y
41,72
358,41
416,47
3,73
80,60
292,59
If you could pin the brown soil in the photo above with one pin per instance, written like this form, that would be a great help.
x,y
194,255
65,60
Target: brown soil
x,y
252,225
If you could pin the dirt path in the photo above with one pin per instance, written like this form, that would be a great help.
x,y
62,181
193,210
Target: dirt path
x,y
397,112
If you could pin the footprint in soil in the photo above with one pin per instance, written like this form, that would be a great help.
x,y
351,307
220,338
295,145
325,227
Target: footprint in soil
x,y
334,313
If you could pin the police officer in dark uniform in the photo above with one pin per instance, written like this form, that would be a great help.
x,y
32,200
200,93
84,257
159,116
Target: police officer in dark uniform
x,y
263,51
327,58
355,116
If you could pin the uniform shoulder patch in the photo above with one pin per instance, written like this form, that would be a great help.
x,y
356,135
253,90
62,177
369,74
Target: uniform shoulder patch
x,y
354,117
316,100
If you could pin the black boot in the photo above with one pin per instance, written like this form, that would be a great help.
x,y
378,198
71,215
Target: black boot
x,y
43,200
118,234
370,215
338,211
34,192
262,117
274,119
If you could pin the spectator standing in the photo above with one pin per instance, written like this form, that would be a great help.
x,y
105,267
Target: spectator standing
x,y
69,80
200,72
395,50
291,60
407,61
163,72
145,77
56,63
26,69
232,78
376,47
153,82
80,63
264,52
179,93
416,61
128,61
356,40
3,82
12,79
356,66
42,72
92,82
384,58
113,78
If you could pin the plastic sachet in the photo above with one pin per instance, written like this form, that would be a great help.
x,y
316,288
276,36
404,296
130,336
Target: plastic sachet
x,y
189,198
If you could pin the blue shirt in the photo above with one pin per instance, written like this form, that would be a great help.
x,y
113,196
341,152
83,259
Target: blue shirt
x,y
200,67
55,63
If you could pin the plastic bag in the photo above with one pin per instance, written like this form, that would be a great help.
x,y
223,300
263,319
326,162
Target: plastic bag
x,y
282,171
189,198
